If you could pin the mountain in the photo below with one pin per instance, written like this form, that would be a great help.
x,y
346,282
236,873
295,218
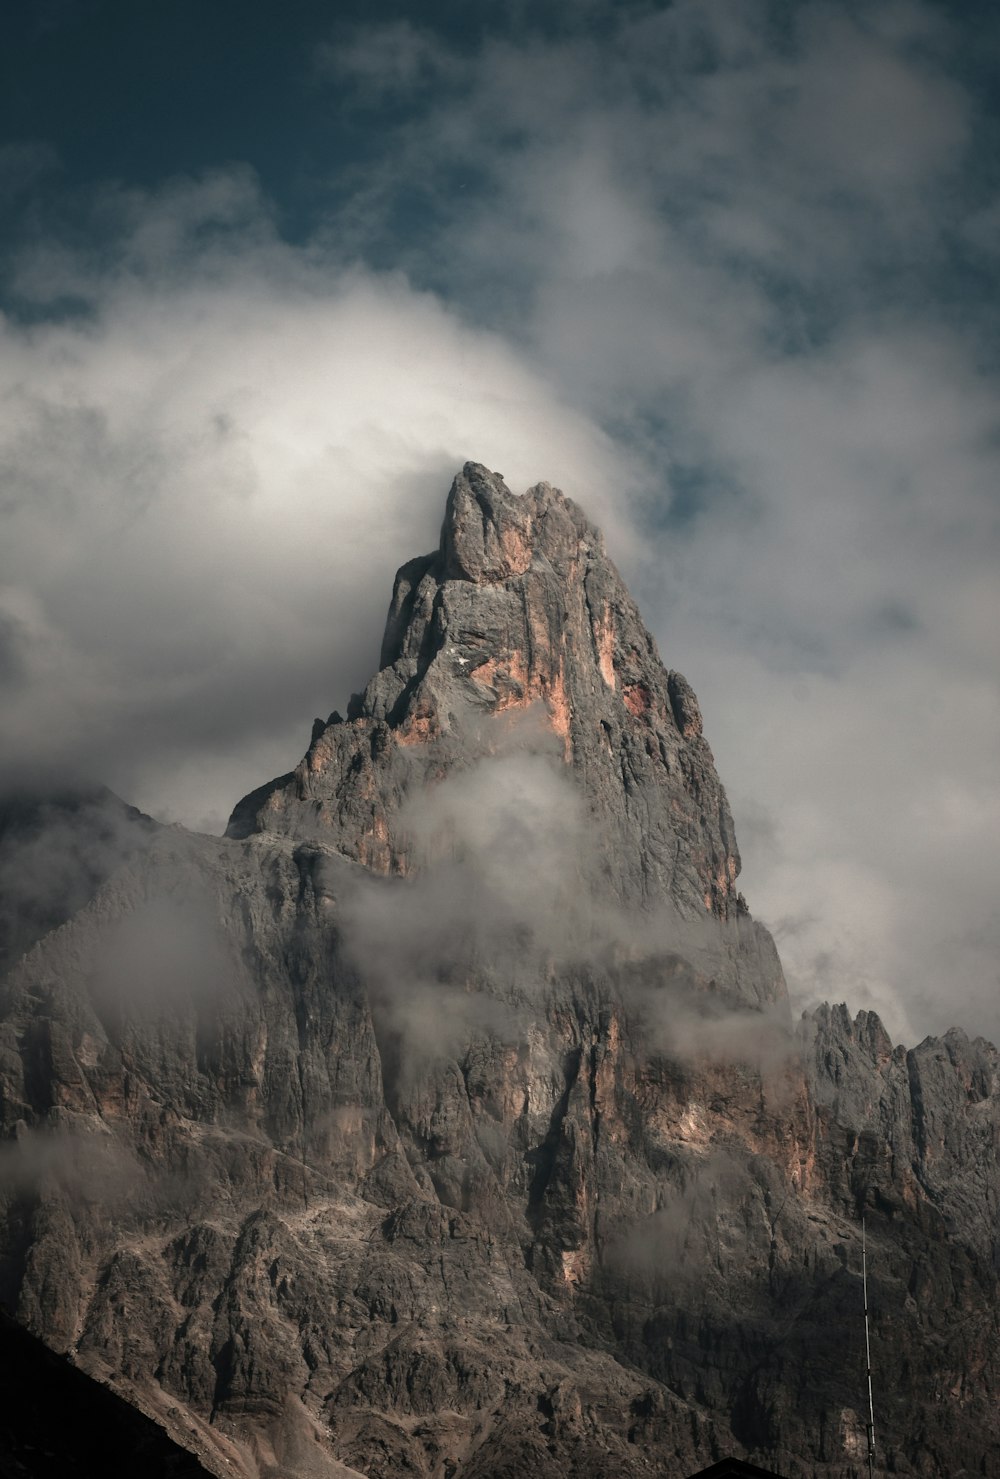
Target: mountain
x,y
447,1117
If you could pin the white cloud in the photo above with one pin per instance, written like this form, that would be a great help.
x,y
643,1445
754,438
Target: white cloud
x,y
725,244
728,242
841,642
209,481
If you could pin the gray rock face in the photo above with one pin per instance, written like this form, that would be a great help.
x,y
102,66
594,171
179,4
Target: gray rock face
x,y
446,1118
520,612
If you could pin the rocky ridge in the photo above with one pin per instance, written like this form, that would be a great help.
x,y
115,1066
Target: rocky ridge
x,y
473,1138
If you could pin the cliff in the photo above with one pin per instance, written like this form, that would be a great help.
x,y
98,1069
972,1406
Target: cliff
x,y
447,1118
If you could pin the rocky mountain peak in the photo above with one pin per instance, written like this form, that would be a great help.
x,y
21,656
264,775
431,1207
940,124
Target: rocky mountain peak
x,y
487,534
491,535
519,612
503,1166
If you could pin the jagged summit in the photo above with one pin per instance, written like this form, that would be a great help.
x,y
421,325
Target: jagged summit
x,y
489,534
519,609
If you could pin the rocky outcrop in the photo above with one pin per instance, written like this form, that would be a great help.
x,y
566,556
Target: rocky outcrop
x,y
520,614
471,1137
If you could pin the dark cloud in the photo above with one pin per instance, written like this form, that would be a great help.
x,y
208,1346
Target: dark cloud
x,y
58,845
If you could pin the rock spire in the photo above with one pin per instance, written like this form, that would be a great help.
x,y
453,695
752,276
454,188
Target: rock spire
x,y
519,612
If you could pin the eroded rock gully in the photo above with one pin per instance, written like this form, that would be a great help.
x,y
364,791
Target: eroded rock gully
x,y
471,1137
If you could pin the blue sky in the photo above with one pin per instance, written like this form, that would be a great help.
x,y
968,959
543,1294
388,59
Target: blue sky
x,y
725,272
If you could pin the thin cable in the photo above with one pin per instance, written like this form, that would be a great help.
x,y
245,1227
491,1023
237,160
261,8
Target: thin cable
x,y
868,1357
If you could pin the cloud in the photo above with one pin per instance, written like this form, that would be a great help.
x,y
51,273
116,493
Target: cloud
x,y
856,608
385,60
55,852
162,957
499,891
700,135
210,476
665,1250
732,241
87,1166
504,896
707,267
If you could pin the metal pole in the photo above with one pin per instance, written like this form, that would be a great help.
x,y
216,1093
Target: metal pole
x,y
868,1357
